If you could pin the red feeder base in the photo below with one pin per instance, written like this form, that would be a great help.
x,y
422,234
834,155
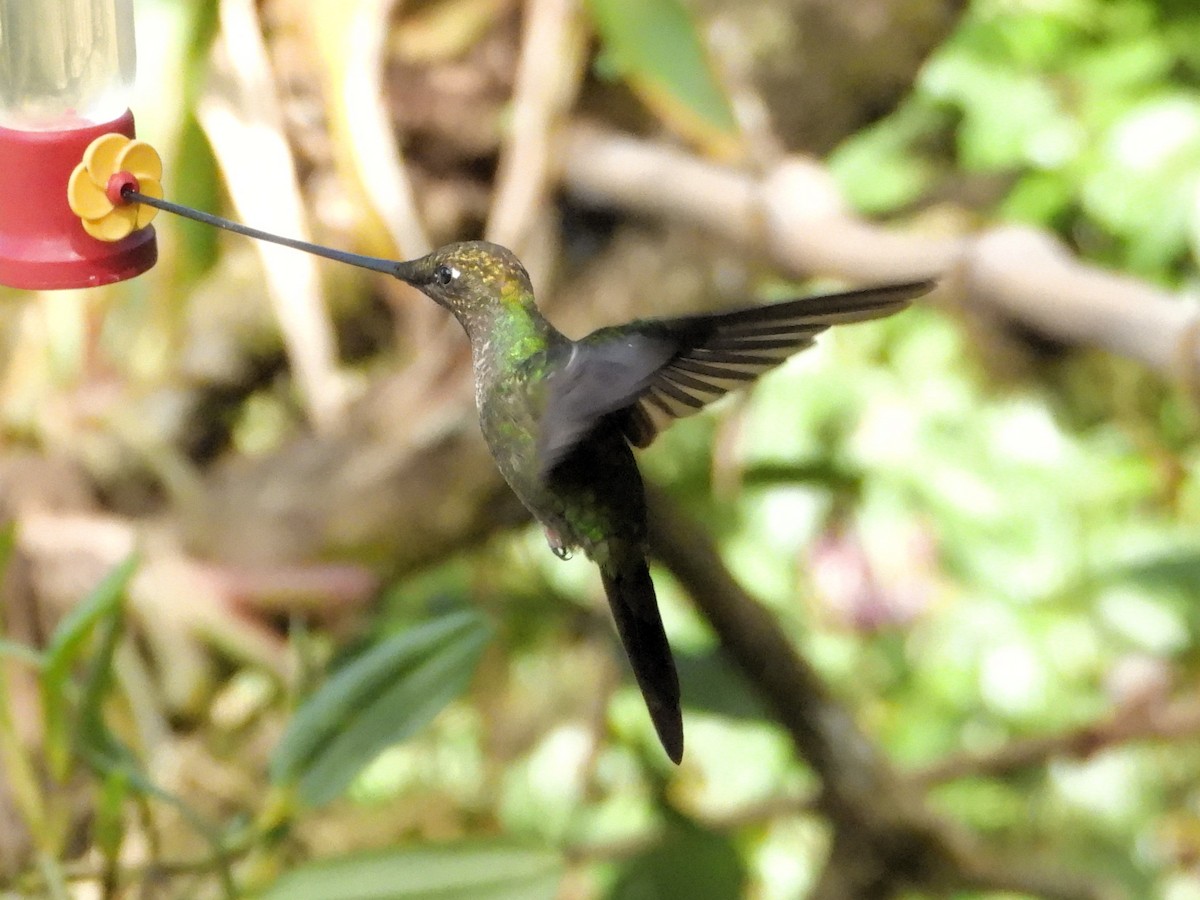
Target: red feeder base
x,y
42,243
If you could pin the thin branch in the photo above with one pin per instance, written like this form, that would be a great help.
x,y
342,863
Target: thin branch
x,y
1172,721
794,215
362,112
242,116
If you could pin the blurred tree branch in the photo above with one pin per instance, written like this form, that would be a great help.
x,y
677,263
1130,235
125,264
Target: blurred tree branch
x,y
555,35
1157,719
796,217
896,839
242,116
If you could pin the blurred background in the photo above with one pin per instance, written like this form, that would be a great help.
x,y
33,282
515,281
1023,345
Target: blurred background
x,y
274,626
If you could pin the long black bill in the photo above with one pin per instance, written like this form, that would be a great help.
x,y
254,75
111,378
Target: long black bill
x,y
374,263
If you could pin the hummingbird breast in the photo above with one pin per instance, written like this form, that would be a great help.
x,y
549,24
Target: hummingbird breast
x,y
592,500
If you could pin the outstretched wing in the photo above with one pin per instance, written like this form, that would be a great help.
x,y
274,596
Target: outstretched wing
x,y
653,371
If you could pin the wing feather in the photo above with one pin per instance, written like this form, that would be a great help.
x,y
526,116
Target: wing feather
x,y
680,377
650,372
664,385
718,372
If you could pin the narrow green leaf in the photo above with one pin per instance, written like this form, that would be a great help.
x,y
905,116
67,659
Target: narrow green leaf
x,y
323,713
403,709
201,190
63,652
384,696
68,638
467,871
655,47
109,827
89,720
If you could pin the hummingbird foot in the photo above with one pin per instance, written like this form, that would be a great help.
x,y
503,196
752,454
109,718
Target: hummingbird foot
x,y
557,545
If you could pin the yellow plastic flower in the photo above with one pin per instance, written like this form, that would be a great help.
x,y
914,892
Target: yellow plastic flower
x,y
94,188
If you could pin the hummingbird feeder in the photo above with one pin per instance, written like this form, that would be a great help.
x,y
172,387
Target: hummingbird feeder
x,y
82,189
67,142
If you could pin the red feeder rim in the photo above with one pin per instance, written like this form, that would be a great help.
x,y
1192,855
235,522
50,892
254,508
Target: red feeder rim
x,y
42,242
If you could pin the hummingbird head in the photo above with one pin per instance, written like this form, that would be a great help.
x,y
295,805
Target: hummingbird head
x,y
468,278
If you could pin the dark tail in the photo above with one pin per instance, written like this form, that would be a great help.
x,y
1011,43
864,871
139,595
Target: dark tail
x,y
635,609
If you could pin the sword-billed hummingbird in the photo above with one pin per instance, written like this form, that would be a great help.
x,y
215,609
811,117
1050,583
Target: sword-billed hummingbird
x,y
560,416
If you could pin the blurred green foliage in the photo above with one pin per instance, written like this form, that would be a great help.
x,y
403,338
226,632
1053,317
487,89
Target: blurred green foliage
x,y
1089,111
380,698
75,677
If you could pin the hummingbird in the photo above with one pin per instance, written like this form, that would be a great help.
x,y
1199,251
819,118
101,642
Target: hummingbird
x,y
562,416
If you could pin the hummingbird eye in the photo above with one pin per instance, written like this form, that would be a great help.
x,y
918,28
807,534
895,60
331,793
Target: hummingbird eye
x,y
443,275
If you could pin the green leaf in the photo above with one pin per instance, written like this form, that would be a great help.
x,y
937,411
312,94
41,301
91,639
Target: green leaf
x,y
468,871
89,721
382,697
654,46
65,649
1039,197
689,862
201,190
109,827
67,641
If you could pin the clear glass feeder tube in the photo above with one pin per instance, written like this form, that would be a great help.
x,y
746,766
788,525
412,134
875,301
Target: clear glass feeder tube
x,y
64,63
